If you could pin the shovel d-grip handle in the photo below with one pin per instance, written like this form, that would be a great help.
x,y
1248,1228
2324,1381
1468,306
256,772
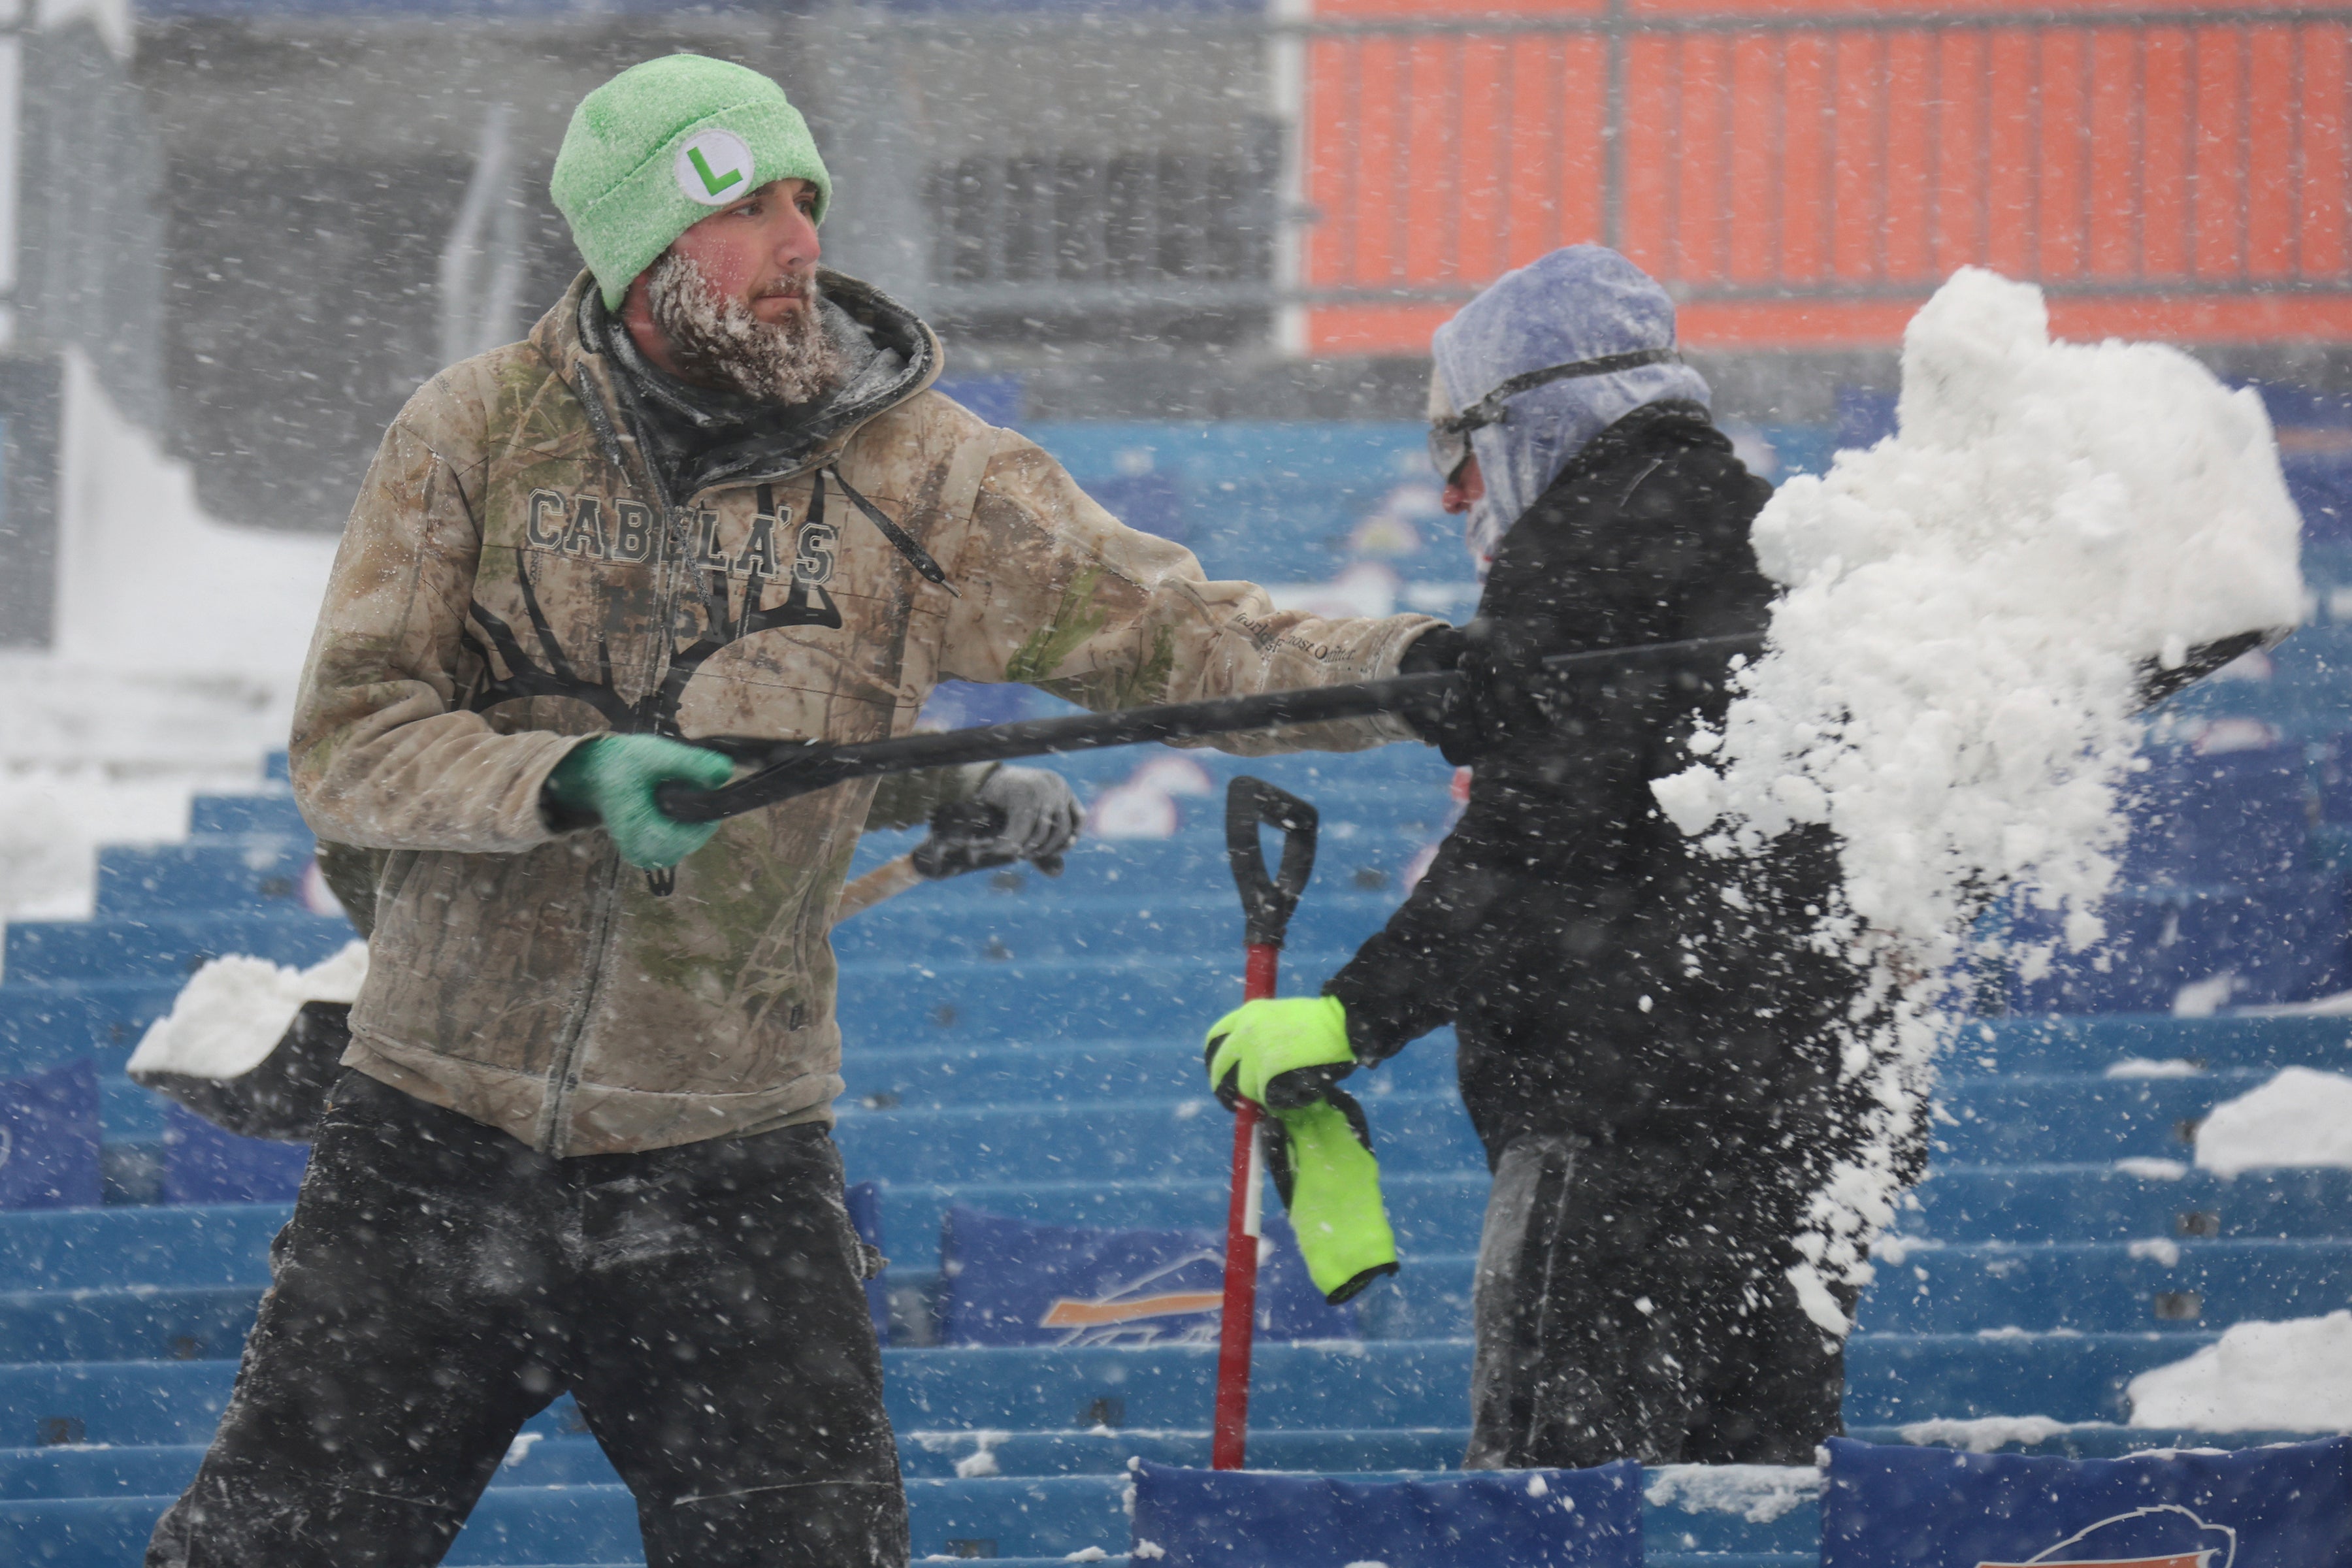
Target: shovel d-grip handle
x,y
1267,900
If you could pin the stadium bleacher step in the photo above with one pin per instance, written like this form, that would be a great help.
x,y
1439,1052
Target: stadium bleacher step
x,y
1015,1520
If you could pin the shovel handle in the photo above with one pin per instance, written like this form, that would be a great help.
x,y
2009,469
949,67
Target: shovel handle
x,y
1268,898
1229,1440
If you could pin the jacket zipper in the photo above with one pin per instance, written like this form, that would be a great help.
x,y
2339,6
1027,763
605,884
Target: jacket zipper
x,y
563,1078
562,1073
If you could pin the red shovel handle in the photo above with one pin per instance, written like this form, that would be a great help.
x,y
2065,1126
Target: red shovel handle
x,y
1266,902
1229,1442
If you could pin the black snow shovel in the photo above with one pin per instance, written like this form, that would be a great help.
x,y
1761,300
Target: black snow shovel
x,y
786,769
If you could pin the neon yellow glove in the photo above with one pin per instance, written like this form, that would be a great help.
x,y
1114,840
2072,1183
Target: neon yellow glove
x,y
1283,1053
1321,1158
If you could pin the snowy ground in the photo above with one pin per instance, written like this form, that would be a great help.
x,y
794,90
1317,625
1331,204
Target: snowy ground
x,y
179,640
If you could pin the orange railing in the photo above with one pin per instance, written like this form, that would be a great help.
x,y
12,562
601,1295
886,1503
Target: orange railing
x,y
1803,176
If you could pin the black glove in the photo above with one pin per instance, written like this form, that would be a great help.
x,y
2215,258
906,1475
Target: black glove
x,y
1018,814
1503,692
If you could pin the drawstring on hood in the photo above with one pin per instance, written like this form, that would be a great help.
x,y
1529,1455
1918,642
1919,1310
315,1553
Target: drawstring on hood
x,y
1584,302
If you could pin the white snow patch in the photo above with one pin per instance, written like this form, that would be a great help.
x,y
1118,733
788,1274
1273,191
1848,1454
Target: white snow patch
x,y
1150,1550
2335,1005
1897,1250
2162,1249
1952,665
1143,805
2293,1376
1086,1554
113,20
1983,1434
1125,811
2143,1067
520,1449
1756,1493
230,1015
52,820
178,641
2301,1117
2152,1170
148,582
2203,998
1813,1295
1174,776
1537,1487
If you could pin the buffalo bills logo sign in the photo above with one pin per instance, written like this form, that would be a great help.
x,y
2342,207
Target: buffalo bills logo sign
x,y
2283,1505
2165,1535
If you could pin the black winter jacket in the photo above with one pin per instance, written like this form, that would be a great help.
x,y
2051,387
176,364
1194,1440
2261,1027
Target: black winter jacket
x,y
1604,974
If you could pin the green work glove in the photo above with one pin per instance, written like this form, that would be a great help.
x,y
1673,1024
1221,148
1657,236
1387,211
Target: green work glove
x,y
1282,1053
1321,1158
612,779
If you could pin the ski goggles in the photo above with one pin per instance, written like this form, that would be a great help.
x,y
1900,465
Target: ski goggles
x,y
1449,439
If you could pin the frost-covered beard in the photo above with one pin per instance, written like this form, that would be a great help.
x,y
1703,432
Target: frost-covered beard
x,y
717,340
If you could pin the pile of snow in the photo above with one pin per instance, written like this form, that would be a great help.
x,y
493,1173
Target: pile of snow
x,y
178,642
2144,1067
1952,667
2295,1376
227,1017
1756,1493
52,820
1983,1434
2301,1117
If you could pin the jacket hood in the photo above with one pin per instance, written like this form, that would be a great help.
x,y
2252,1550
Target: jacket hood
x,y
1578,303
889,352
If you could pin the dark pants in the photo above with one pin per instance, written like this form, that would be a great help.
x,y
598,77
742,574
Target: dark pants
x,y
440,1284
1634,1301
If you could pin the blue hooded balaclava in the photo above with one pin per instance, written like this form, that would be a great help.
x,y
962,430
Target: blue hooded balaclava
x,y
1579,303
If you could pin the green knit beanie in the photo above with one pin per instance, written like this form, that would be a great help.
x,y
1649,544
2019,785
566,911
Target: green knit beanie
x,y
661,146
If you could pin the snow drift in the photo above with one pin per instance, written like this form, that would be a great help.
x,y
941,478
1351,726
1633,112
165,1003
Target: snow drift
x,y
2301,1117
179,639
2295,1376
1951,671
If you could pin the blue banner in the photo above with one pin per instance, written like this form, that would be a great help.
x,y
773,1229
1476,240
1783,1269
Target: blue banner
x,y
1010,1282
1492,1519
203,1164
48,1139
2284,1507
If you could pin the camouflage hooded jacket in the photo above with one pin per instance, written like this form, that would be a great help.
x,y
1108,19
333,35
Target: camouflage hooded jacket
x,y
511,579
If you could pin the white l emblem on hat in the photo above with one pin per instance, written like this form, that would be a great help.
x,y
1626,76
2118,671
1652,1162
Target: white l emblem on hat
x,y
714,168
